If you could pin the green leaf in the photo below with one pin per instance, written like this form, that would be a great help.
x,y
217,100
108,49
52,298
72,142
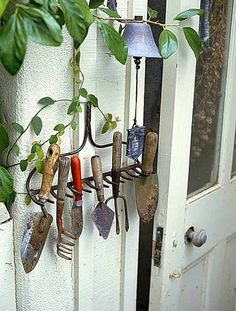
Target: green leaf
x,y
27,200
3,5
34,146
39,166
4,138
53,139
83,92
10,199
78,19
114,42
93,100
40,2
37,125
93,4
168,43
15,150
109,116
59,127
39,152
193,40
23,165
13,38
73,124
105,127
30,157
6,184
110,13
189,13
152,13
42,27
74,106
113,124
46,101
17,127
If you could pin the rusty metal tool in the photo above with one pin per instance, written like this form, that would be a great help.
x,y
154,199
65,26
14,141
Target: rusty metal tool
x,y
39,223
76,212
64,245
146,187
116,174
102,216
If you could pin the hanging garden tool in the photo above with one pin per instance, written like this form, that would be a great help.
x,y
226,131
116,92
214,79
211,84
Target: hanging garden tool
x,y
116,174
146,187
39,223
140,42
76,212
64,245
102,216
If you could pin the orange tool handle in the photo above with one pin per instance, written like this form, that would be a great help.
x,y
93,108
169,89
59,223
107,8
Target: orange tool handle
x,y
76,174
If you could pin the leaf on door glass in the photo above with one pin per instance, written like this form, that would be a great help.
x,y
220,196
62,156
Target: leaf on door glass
x,y
189,13
59,127
53,139
13,38
168,43
4,138
27,200
30,157
46,101
15,150
3,5
73,124
83,92
114,42
10,199
110,13
152,13
93,100
6,184
93,4
193,40
42,27
105,127
113,124
39,152
17,127
78,18
37,125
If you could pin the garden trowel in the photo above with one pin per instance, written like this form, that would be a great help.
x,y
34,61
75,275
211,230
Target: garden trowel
x,y
146,187
39,223
102,216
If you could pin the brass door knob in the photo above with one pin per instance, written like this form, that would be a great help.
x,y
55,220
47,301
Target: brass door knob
x,y
197,238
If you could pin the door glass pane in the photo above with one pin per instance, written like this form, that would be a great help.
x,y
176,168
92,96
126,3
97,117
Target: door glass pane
x,y
209,95
234,157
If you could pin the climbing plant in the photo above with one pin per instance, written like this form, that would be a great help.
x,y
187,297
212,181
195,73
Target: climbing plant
x,y
42,21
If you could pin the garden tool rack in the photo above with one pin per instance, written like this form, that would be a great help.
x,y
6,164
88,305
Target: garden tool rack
x,y
127,173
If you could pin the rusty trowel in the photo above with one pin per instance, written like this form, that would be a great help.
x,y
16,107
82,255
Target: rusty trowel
x,y
102,216
146,187
39,223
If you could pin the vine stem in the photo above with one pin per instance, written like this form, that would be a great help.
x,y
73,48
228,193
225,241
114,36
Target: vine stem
x,y
126,20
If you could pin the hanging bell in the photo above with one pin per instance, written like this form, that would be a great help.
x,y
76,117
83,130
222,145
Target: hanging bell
x,y
139,39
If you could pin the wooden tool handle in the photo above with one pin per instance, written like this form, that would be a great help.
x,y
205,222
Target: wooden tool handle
x,y
50,164
76,174
64,167
98,177
116,151
150,148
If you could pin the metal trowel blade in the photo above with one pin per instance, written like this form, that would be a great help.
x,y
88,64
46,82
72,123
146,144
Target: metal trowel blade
x,y
103,217
34,238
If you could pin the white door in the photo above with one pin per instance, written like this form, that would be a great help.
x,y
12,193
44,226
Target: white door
x,y
204,196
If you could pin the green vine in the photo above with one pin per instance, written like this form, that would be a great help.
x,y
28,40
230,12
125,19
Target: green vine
x,y
41,21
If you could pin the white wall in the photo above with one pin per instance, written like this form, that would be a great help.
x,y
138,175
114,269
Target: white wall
x,y
102,275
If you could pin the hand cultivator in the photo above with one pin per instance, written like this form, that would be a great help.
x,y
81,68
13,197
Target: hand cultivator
x,y
37,228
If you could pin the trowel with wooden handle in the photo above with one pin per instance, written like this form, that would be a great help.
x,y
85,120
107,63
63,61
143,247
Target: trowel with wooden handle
x,y
146,187
39,223
102,216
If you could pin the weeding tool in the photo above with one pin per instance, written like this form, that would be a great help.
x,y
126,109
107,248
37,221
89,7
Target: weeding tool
x,y
76,212
102,216
39,223
116,174
146,187
64,245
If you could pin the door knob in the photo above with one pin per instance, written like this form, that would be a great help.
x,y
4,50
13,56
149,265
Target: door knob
x,y
197,238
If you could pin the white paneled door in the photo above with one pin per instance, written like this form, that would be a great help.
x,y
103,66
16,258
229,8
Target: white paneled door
x,y
197,168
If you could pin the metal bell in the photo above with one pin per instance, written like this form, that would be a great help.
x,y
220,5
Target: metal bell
x,y
139,39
